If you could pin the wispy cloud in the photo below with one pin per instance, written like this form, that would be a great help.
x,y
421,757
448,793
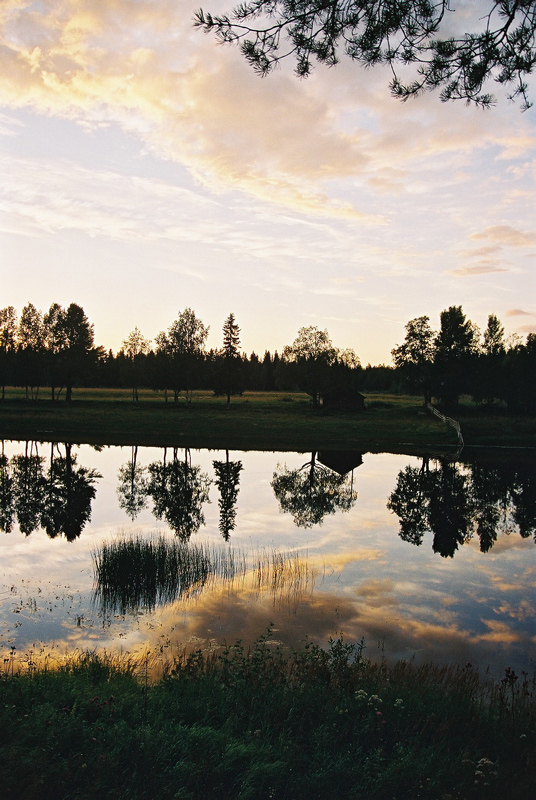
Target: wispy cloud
x,y
481,269
507,235
9,126
518,312
141,64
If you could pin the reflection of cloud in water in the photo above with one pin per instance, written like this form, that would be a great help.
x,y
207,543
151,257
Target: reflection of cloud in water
x,y
223,615
521,611
503,544
340,560
369,583
377,592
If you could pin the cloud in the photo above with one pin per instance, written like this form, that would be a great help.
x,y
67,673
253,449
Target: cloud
x,y
55,196
507,235
487,250
9,126
294,143
482,269
518,312
500,633
45,197
75,59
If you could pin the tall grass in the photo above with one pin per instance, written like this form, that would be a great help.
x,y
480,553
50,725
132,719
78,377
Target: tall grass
x,y
266,723
135,573
287,575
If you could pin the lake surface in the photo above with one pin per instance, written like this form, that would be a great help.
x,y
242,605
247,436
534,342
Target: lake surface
x,y
144,549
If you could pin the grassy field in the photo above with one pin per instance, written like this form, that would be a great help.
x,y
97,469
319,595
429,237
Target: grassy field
x,y
263,724
256,420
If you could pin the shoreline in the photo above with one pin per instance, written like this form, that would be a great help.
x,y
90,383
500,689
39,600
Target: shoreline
x,y
278,421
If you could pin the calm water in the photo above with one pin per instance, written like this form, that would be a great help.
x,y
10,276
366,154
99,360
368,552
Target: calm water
x,y
429,559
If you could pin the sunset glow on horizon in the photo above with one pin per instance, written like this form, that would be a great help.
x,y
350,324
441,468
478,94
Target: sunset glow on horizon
x,y
145,169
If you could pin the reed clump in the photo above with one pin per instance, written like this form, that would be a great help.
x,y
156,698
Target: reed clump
x,y
134,573
265,722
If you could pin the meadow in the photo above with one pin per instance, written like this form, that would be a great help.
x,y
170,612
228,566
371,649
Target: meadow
x,y
255,421
265,723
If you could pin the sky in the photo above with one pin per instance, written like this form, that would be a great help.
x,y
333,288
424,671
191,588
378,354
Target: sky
x,y
146,169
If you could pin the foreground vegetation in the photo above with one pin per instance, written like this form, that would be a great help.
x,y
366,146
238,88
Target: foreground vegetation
x,y
256,420
263,724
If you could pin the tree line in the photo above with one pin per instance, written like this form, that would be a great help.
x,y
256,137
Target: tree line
x,y
458,360
57,350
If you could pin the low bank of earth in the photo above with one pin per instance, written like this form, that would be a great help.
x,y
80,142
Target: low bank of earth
x,y
257,421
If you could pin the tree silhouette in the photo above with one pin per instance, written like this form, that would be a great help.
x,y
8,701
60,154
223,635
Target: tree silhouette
x,y
135,346
178,491
132,490
8,345
30,340
312,353
55,341
228,482
415,356
493,339
79,338
394,32
311,492
68,490
179,352
455,344
231,356
490,492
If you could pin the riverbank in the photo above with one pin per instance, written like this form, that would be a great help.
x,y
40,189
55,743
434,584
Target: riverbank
x,y
266,724
256,421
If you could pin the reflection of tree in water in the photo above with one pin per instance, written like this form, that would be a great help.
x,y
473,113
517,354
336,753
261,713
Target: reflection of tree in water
x,y
524,494
7,499
27,472
409,502
133,486
449,509
457,503
227,481
311,492
68,491
59,500
490,496
178,491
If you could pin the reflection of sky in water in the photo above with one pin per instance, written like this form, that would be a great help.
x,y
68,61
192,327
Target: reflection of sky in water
x,y
368,582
